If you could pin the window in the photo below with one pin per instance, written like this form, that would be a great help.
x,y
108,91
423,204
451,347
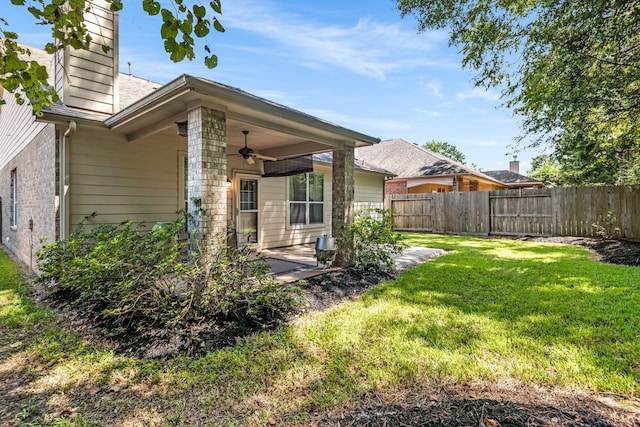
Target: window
x,y
306,199
13,217
248,219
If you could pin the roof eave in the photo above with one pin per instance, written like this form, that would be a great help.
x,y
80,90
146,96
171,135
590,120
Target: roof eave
x,y
230,99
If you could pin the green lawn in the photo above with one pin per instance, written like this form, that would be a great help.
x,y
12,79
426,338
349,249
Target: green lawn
x,y
489,310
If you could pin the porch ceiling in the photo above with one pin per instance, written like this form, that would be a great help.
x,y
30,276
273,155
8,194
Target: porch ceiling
x,y
274,130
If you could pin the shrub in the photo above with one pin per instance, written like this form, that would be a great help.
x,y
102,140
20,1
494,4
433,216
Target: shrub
x,y
371,239
132,276
608,227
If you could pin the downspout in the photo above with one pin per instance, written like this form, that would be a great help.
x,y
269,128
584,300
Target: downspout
x,y
64,182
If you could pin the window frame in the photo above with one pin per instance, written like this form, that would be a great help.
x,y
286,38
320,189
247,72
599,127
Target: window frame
x,y
183,181
13,215
307,203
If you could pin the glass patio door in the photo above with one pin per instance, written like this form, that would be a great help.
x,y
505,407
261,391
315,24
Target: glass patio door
x,y
247,229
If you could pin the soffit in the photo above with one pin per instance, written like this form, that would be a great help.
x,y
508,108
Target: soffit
x,y
274,129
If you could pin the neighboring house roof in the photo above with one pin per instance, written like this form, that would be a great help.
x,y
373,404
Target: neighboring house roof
x,y
512,178
359,165
408,160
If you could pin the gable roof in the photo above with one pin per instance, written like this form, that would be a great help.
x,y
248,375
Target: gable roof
x,y
145,107
133,88
512,178
358,164
408,160
171,100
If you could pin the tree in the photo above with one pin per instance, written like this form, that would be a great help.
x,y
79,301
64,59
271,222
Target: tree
x,y
571,68
448,150
545,169
27,79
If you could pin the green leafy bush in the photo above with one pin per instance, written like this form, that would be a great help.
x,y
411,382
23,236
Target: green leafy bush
x,y
371,239
608,227
132,276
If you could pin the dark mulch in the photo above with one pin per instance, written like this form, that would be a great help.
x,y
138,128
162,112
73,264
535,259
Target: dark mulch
x,y
610,251
149,342
483,405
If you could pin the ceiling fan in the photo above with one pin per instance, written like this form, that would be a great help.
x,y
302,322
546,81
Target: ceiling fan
x,y
248,154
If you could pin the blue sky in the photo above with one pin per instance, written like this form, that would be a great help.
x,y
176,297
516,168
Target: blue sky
x,y
355,63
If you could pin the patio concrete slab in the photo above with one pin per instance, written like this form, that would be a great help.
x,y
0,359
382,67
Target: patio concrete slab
x,y
297,262
415,255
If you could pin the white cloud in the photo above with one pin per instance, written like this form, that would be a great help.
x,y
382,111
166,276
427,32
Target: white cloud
x,y
487,95
428,112
359,122
436,89
367,47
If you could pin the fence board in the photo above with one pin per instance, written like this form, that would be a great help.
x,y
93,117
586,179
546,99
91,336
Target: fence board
x,y
573,211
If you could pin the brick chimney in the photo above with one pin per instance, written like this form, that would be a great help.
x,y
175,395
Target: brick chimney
x,y
88,79
514,165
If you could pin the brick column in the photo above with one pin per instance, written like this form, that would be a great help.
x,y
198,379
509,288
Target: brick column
x,y
342,196
208,176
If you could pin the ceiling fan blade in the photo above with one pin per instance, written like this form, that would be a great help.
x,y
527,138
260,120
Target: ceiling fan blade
x,y
250,160
263,157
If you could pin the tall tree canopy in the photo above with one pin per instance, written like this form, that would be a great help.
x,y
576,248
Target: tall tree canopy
x,y
571,68
446,149
181,25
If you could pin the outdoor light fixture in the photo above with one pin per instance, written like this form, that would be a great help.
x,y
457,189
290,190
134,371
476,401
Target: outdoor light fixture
x,y
183,128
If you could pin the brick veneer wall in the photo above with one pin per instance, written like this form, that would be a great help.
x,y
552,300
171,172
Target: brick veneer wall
x,y
35,167
395,187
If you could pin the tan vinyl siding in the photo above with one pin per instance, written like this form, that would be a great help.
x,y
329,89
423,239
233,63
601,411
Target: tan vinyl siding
x,y
91,75
368,191
275,230
121,180
17,128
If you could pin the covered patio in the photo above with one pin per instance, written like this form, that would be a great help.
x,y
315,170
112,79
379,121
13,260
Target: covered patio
x,y
225,137
298,262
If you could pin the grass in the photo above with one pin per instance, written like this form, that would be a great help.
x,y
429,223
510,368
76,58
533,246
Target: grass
x,y
489,310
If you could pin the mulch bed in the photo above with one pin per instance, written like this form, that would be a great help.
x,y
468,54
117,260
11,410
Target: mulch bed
x,y
610,251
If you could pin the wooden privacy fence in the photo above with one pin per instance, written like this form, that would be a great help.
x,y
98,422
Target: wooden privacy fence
x,y
576,211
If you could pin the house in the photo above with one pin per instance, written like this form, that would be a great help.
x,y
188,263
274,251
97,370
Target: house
x,y
512,177
419,170
130,149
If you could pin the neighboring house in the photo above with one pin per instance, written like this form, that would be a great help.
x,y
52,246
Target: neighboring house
x,y
130,149
512,177
419,170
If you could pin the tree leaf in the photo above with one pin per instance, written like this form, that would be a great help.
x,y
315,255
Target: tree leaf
x,y
211,61
151,7
201,29
218,26
216,5
199,11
